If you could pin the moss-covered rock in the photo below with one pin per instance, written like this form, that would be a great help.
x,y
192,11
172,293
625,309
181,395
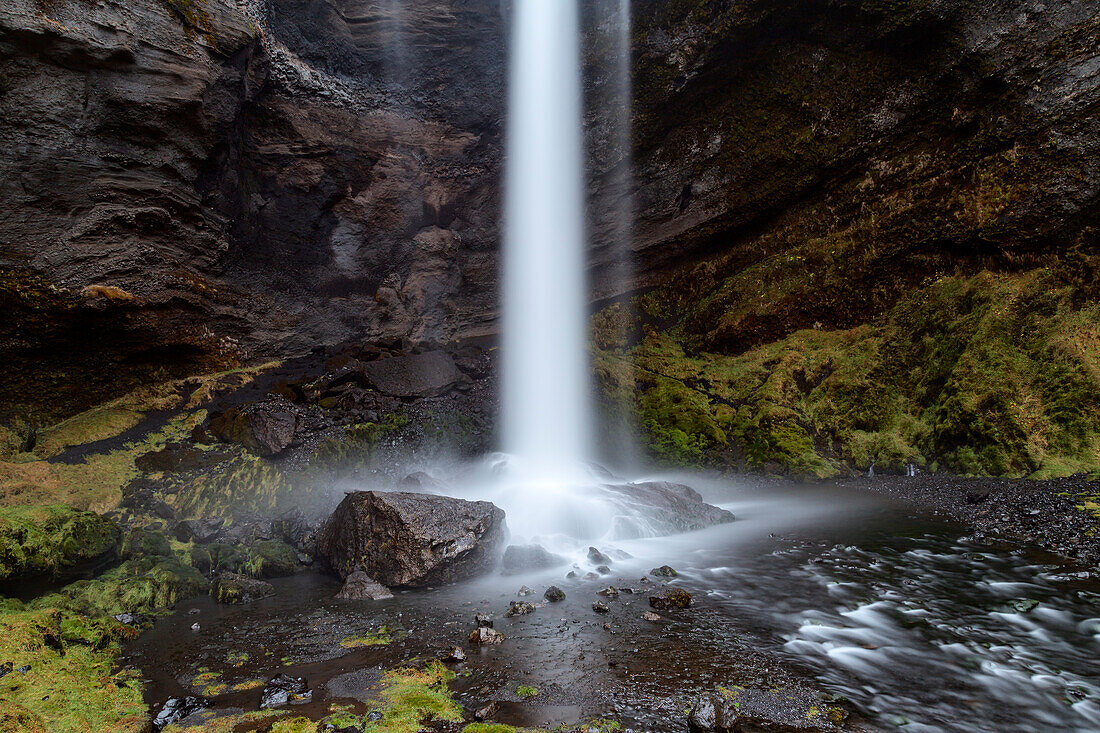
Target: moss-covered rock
x,y
52,540
232,588
271,559
146,585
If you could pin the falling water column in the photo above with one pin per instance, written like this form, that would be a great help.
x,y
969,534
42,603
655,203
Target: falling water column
x,y
545,396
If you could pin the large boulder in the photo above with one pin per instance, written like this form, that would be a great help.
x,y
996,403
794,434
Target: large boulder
x,y
404,539
523,558
418,375
265,428
666,507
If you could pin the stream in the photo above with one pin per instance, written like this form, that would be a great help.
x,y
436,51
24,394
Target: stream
x,y
814,595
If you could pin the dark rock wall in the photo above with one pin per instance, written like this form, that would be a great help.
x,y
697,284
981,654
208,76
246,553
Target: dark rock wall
x,y
254,180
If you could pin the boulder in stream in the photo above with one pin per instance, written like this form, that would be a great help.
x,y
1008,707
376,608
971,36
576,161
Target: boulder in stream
x,y
521,558
407,540
672,598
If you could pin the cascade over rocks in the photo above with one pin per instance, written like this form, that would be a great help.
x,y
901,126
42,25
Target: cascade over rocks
x,y
403,539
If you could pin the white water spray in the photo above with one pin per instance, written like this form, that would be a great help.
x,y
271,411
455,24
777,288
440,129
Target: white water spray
x,y
546,418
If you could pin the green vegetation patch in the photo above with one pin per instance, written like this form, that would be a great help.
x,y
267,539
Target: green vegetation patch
x,y
49,539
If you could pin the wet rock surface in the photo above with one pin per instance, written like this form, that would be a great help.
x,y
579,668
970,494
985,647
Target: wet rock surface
x,y
178,708
266,428
521,558
359,586
404,539
285,690
232,588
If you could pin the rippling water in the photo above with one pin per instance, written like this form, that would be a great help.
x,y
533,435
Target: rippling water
x,y
918,627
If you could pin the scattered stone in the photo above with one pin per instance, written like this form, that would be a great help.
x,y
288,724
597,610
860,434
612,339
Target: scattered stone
x,y
524,592
284,690
361,587
600,607
487,712
178,708
195,626
24,669
484,621
457,655
591,576
554,594
607,626
609,592
232,588
523,558
597,558
484,636
603,570
672,598
519,608
665,571
1023,605
571,574
429,539
650,616
6,669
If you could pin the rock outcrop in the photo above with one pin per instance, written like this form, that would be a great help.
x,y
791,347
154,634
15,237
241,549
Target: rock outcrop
x,y
402,539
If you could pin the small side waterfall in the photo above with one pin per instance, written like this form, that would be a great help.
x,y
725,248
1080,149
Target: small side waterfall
x,y
546,417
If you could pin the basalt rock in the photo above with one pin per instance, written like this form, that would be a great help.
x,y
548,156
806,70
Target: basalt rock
x,y
672,598
521,558
519,608
417,375
232,588
554,594
266,428
713,714
361,587
285,690
484,636
404,539
178,708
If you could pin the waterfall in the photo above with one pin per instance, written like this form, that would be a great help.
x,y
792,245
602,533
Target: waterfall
x,y
546,418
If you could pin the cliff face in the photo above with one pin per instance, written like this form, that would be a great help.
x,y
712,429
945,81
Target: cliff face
x,y
192,183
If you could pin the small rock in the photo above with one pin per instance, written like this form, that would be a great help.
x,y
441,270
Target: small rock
x,y
607,627
524,592
487,711
554,594
284,689
591,576
650,616
597,558
484,620
6,669
713,714
24,669
178,708
672,598
519,608
603,570
195,626
361,587
457,655
600,607
522,558
571,574
484,636
128,619
665,571
609,592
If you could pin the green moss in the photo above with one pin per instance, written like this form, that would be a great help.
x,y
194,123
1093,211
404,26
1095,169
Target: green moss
x,y
488,728
270,559
72,685
146,543
411,696
384,635
985,375
51,539
147,585
526,691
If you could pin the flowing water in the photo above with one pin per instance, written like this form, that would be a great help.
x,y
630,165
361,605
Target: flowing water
x,y
546,421
813,591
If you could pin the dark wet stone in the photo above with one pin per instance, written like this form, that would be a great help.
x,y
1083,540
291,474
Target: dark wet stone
x,y
199,531
487,712
484,620
650,616
522,558
178,708
608,592
597,558
284,690
600,607
361,587
524,591
665,571
591,576
429,539
416,375
603,570
672,598
457,654
571,574
485,636
519,608
554,594
265,428
713,714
